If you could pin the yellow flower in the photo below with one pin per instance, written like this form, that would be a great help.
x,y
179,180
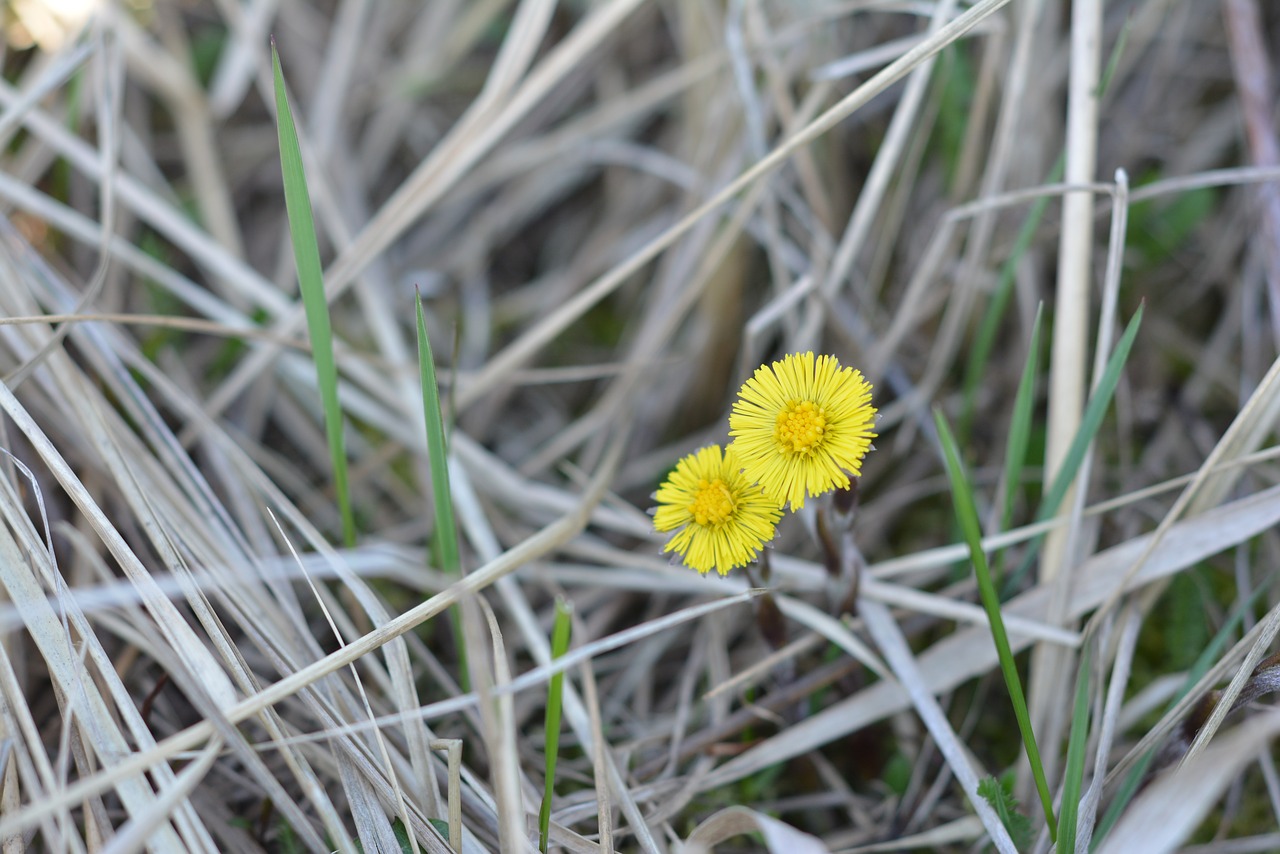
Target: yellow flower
x,y
724,519
800,425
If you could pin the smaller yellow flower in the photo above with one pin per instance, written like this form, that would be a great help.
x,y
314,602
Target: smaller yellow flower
x,y
799,425
723,518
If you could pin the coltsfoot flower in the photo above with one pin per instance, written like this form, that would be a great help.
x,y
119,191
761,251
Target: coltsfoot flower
x,y
802,426
723,518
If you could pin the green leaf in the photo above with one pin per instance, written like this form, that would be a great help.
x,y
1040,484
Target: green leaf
x,y
306,254
1006,807
1160,227
896,774
402,836
967,517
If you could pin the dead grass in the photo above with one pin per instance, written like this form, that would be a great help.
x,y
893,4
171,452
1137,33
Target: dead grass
x,y
615,211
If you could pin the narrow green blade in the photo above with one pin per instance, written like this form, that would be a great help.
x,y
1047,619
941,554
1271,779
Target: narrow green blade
x,y
306,253
1094,412
1073,778
1015,452
967,517
446,539
555,691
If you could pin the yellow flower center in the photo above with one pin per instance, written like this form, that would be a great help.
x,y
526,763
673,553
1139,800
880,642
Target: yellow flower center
x,y
714,504
800,427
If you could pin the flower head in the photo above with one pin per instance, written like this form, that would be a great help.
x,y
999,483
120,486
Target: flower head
x,y
723,518
800,425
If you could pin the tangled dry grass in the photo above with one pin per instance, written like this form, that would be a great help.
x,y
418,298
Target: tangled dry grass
x,y
614,211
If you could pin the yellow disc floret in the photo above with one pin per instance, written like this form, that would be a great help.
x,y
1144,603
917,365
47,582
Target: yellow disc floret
x,y
801,427
713,504
720,518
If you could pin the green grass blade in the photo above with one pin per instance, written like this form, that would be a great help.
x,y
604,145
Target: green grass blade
x,y
1113,61
967,517
551,749
1094,412
1073,778
1015,452
444,544
306,253
446,539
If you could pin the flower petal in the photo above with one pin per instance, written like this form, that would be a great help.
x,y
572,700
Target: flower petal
x,y
802,426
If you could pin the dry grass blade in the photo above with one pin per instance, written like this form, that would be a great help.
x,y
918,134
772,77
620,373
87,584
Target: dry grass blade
x,y
968,653
1268,629
490,671
179,634
833,631
1151,826
957,832
589,296
604,803
608,215
890,640
1209,485
736,821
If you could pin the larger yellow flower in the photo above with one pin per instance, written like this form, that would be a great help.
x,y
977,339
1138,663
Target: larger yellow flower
x,y
723,518
800,425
